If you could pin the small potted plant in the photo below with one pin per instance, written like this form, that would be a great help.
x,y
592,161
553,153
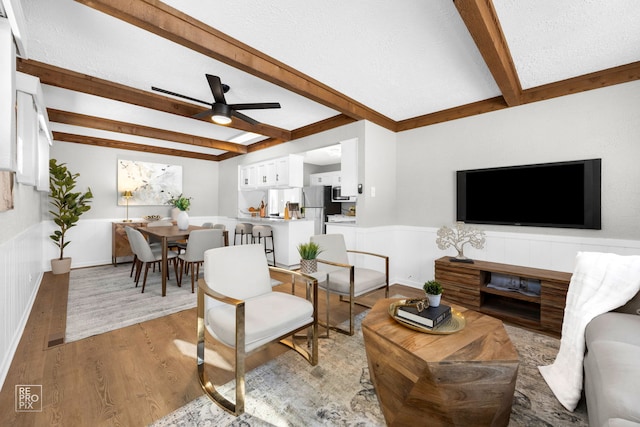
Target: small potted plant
x,y
308,254
68,206
433,289
180,205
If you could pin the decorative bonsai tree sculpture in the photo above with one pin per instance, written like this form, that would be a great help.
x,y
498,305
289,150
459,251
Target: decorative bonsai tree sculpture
x,y
308,254
68,206
459,236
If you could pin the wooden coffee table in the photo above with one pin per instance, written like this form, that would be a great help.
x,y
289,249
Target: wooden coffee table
x,y
463,379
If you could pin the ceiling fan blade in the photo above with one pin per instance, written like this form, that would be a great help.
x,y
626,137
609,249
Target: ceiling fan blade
x,y
157,89
244,117
256,106
216,88
206,113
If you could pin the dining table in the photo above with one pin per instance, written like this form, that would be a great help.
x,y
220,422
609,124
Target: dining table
x,y
166,235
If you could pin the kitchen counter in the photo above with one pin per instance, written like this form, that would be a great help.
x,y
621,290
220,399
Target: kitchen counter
x,y
253,219
287,235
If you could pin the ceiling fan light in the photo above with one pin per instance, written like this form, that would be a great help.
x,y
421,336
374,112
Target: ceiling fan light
x,y
221,114
220,119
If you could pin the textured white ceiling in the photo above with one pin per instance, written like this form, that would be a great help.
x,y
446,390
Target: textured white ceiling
x,y
401,59
553,40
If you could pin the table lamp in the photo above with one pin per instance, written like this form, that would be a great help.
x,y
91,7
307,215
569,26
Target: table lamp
x,y
127,195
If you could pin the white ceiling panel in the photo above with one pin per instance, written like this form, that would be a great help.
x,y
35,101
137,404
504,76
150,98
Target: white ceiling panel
x,y
400,60
554,40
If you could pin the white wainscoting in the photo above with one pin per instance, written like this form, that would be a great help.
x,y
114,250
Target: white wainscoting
x,y
91,240
413,250
20,278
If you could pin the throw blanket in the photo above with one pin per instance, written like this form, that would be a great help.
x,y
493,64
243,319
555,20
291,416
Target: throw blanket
x,y
600,283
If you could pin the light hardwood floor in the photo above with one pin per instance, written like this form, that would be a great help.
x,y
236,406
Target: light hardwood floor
x,y
128,377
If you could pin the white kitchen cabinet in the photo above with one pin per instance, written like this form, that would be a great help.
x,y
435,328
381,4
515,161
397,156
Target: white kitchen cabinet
x,y
325,178
248,177
282,172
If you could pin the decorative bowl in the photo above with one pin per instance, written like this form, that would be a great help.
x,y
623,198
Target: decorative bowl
x,y
152,217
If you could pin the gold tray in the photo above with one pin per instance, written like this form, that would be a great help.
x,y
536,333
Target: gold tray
x,y
455,323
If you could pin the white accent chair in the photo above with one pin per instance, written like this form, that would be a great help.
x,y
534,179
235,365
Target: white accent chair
x,y
346,279
199,242
237,306
146,256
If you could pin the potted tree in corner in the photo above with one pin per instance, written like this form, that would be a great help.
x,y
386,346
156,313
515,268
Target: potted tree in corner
x,y
308,254
68,206
433,289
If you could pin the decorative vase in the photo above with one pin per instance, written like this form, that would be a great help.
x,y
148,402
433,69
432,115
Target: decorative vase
x,y
434,300
61,266
174,213
183,220
308,266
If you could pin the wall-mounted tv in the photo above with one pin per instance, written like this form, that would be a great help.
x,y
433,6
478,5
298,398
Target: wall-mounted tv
x,y
564,194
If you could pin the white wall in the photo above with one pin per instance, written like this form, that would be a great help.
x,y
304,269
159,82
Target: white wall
x,y
97,167
378,169
603,123
21,259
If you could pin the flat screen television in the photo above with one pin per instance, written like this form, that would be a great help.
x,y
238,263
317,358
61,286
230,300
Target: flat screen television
x,y
563,194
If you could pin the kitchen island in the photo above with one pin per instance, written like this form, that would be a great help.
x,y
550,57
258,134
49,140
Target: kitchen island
x,y
287,235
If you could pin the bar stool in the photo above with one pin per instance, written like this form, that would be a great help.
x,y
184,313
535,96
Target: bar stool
x,y
261,233
244,229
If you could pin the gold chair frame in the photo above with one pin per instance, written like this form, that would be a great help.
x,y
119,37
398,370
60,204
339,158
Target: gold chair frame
x,y
352,300
311,356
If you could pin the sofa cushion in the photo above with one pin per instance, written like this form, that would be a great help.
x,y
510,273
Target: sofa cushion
x,y
611,382
613,327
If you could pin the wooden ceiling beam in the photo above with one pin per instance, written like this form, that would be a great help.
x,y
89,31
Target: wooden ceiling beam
x,y
169,23
109,143
321,126
93,122
612,76
482,22
71,80
462,111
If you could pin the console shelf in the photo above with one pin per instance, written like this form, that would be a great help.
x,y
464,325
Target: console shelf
x,y
466,284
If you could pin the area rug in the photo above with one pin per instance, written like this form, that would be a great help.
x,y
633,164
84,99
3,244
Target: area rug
x,y
105,298
287,391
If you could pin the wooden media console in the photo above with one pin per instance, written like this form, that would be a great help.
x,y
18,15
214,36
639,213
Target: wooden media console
x,y
536,298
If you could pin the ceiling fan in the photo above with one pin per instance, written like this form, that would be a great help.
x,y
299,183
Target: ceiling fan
x,y
221,112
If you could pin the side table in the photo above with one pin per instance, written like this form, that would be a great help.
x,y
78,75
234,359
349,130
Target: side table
x,y
463,379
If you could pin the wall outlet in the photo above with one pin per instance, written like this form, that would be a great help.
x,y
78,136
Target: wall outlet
x,y
373,191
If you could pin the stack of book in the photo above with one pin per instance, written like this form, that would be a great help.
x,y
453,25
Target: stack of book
x,y
430,317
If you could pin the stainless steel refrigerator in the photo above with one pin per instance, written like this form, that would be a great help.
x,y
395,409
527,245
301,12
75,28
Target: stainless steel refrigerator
x,y
317,204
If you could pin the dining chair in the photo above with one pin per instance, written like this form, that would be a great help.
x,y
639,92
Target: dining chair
x,y
207,225
199,242
135,264
173,245
238,308
147,257
344,278
220,226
